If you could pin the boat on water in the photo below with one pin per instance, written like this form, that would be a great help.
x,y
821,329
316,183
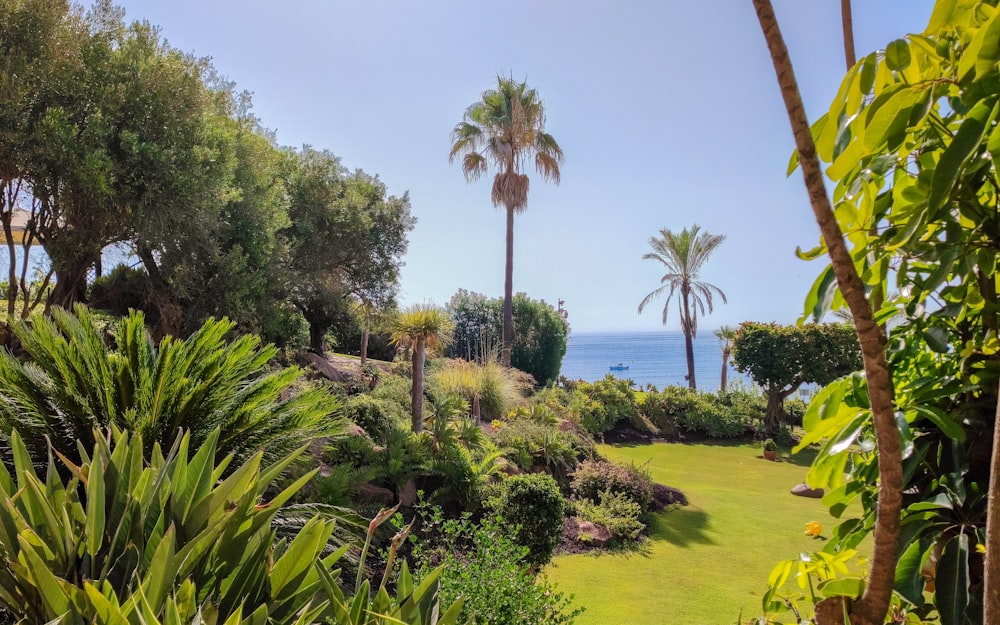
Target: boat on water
x,y
619,367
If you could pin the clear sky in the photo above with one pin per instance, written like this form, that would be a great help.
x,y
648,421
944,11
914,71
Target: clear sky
x,y
668,114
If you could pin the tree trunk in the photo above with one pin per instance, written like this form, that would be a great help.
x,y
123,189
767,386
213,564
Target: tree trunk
x,y
723,382
71,282
847,22
688,328
991,572
508,293
316,336
364,346
775,410
873,606
417,386
12,255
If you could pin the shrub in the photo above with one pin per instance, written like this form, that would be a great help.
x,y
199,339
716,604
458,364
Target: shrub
x,y
73,381
529,443
375,416
483,565
608,401
594,477
496,386
534,504
616,512
121,290
678,409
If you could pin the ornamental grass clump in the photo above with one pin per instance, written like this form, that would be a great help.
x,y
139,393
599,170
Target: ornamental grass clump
x,y
497,388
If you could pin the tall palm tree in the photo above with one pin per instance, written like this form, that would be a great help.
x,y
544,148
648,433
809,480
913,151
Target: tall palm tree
x,y
683,255
418,329
725,334
874,603
505,129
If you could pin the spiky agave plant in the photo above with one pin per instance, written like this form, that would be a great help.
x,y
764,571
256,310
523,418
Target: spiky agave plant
x,y
78,377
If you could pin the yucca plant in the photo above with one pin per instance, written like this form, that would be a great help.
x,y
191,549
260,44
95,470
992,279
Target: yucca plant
x,y
416,330
126,541
78,377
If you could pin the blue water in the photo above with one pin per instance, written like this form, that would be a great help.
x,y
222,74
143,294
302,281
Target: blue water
x,y
655,358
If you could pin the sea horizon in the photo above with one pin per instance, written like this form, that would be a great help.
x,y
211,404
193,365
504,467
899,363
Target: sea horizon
x,y
651,357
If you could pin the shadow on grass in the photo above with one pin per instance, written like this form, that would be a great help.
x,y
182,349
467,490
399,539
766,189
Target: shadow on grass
x,y
802,459
682,527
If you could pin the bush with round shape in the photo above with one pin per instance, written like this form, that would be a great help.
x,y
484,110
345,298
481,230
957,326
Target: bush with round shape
x,y
535,506
594,477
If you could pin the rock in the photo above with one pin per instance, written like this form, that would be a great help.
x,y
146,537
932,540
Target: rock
x,y
597,535
803,490
376,494
408,496
509,468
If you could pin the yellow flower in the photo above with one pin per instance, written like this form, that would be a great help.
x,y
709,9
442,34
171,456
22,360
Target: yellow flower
x,y
814,529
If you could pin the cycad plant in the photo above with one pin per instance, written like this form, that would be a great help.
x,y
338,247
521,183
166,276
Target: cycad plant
x,y
128,541
77,377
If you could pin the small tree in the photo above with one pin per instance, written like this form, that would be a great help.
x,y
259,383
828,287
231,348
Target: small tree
x,y
725,335
783,358
418,329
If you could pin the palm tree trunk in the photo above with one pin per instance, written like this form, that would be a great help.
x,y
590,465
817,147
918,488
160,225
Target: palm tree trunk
x,y
417,386
508,292
688,329
874,604
725,372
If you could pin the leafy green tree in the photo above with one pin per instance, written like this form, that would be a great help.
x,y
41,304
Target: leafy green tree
x,y
73,381
540,338
416,330
725,335
346,238
505,129
783,358
911,142
683,255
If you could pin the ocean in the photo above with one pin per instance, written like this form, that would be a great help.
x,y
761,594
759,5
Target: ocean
x,y
655,358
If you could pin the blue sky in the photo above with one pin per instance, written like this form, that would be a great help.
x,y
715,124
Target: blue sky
x,y
668,114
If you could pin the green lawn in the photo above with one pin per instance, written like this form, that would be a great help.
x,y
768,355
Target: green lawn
x,y
709,560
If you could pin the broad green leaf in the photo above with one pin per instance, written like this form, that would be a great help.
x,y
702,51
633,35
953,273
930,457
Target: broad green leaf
x,y
897,55
96,508
909,580
450,617
951,428
941,14
951,581
965,143
889,122
937,339
842,587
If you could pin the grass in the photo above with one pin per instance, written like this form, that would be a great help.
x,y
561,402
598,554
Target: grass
x,y
708,562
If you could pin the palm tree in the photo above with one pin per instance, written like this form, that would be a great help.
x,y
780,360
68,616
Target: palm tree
x,y
418,329
874,603
725,334
505,129
683,254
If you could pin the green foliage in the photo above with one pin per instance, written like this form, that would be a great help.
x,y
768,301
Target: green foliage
x,y
375,416
530,443
540,333
535,506
913,146
486,568
594,477
782,358
678,409
346,235
73,381
161,537
121,290
617,512
608,401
